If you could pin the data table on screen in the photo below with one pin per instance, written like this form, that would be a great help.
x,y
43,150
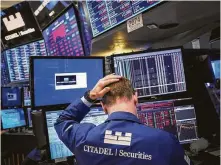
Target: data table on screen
x,y
105,15
18,59
153,73
57,147
96,116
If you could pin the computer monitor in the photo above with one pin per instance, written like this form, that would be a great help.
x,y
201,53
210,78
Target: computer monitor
x,y
153,73
11,97
29,116
17,59
62,36
26,97
60,80
4,71
56,147
12,118
46,11
18,25
179,120
186,123
96,116
216,68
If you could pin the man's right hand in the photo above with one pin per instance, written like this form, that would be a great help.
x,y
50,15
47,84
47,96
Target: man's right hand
x,y
100,88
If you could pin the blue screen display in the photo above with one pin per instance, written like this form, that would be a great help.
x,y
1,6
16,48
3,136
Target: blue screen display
x,y
62,37
12,118
4,70
216,68
61,81
26,97
57,147
17,59
11,97
29,117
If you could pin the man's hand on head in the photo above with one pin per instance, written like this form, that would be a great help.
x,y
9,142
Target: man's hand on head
x,y
100,88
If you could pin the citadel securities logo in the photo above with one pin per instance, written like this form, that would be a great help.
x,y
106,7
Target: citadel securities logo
x,y
118,138
14,23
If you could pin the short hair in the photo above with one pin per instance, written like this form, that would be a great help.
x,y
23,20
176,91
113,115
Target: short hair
x,y
121,89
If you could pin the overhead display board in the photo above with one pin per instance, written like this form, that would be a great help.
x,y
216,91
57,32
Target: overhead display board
x,y
18,25
105,15
45,10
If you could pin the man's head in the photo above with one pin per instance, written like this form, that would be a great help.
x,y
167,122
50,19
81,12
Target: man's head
x,y
121,97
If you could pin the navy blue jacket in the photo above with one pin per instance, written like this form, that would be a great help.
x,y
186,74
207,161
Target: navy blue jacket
x,y
121,139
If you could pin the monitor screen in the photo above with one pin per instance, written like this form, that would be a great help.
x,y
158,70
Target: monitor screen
x,y
96,116
62,36
216,68
29,111
46,11
11,97
105,15
12,118
178,120
153,73
26,97
4,70
57,147
63,78
18,25
186,123
17,59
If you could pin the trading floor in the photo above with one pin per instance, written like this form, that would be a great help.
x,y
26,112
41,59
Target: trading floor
x,y
55,52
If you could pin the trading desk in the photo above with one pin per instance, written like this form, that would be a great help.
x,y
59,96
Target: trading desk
x,y
16,146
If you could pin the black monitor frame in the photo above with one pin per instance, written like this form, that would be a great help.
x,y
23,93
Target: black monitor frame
x,y
47,134
183,94
77,21
32,82
4,107
17,126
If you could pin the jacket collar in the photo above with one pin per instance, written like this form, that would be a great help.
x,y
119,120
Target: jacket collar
x,y
123,116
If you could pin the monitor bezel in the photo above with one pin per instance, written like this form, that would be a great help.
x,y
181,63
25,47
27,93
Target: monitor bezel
x,y
17,126
47,134
6,107
32,82
57,17
181,94
17,46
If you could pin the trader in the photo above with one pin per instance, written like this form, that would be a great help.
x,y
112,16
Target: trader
x,y
121,139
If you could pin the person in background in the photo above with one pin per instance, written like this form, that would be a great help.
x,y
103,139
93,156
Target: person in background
x,y
122,138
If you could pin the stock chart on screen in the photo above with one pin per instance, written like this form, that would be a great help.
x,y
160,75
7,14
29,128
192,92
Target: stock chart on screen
x,y
178,120
105,15
62,37
17,59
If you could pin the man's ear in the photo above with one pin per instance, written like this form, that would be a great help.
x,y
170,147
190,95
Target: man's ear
x,y
104,107
135,98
